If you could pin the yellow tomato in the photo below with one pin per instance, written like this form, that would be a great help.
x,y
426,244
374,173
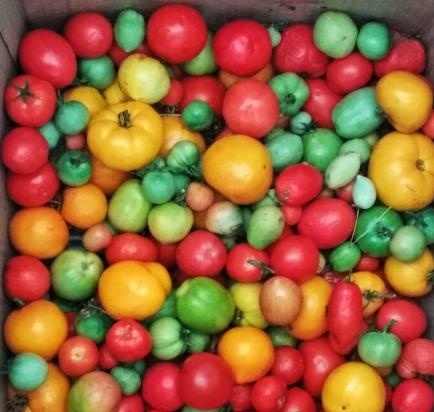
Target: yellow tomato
x,y
310,322
353,387
143,78
406,99
133,289
114,94
239,167
402,169
87,95
125,136
373,289
411,279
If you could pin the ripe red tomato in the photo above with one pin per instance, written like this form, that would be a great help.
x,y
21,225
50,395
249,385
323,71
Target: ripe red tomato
x,y
47,55
176,32
33,189
240,398
24,150
298,53
130,246
118,55
367,264
413,395
269,393
174,95
106,359
251,107
297,399
242,47
428,127
288,364
166,254
201,253
78,355
160,386
89,33
128,340
291,214
26,278
29,100
131,403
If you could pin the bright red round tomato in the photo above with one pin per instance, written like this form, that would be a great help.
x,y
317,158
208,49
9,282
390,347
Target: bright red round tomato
x,y
166,254
367,264
269,393
89,33
26,278
47,55
413,395
291,214
345,193
288,364
328,222
128,340
78,355
106,359
176,33
242,47
297,399
206,381
206,88
29,100
24,150
174,95
201,253
428,127
33,189
349,73
118,55
251,107
240,400
130,246
160,386
131,403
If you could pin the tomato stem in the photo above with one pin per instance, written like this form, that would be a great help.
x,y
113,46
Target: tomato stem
x,y
266,271
24,91
124,119
389,325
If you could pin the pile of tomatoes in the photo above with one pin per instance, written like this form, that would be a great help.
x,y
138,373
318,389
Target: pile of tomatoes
x,y
237,219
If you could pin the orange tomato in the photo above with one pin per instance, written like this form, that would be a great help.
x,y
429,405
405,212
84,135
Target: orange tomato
x,y
89,96
84,206
38,231
373,289
248,351
39,327
106,178
264,75
132,289
310,322
238,167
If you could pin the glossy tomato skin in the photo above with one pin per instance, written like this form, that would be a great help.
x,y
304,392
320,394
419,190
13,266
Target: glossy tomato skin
x,y
288,364
47,55
176,33
131,403
368,263
78,355
118,55
413,395
240,399
106,359
131,246
269,393
297,399
242,47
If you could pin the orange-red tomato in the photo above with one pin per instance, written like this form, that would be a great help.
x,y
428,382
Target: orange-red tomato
x,y
373,289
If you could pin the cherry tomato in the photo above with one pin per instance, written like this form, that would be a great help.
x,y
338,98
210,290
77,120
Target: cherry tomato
x,y
240,399
298,399
413,395
292,214
428,127
269,393
106,359
367,263
288,364
77,356
131,403
97,237
131,246
118,55
174,95
166,254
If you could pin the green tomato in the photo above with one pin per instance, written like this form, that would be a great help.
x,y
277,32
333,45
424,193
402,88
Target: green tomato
x,y
197,115
204,62
291,91
181,182
301,123
167,310
393,379
196,341
183,157
280,336
51,134
364,193
139,366
71,117
75,274
92,324
224,218
270,199
345,257
158,186
275,35
424,220
408,243
28,371
342,170
284,148
374,40
74,167
167,338
128,379
360,146
129,29
265,226
204,305
98,72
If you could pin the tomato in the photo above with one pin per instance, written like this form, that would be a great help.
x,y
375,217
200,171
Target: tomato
x,y
206,381
174,95
166,254
77,356
118,55
97,237
373,40
288,364
27,371
373,290
417,359
130,246
413,395
106,359
74,167
89,33
224,218
240,398
199,196
268,393
242,47
131,403
298,399
368,263
47,55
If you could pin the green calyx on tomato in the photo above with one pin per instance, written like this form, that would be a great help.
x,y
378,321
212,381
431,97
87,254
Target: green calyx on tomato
x,y
74,167
284,148
424,220
197,115
302,123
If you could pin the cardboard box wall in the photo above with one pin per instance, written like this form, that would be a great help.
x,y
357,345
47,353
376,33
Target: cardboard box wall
x,y
415,18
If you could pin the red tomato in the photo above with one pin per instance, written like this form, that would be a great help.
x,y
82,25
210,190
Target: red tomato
x,y
206,381
130,246
296,257
298,53
160,386
288,364
201,253
242,47
297,400
269,393
29,100
75,141
291,214
174,95
118,55
428,127
131,403
26,278
166,254
128,340
417,359
413,395
328,222
240,397
97,237
106,359
89,33
349,73
70,317
411,320
367,264
78,355
24,150
298,184
176,33
206,88
47,55
251,107
321,102
33,189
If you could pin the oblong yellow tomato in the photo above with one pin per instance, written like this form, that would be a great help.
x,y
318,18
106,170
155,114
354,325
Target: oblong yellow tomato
x,y
114,94
310,322
239,167
133,289
39,327
89,96
402,169
353,387
406,99
411,279
125,136
373,289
